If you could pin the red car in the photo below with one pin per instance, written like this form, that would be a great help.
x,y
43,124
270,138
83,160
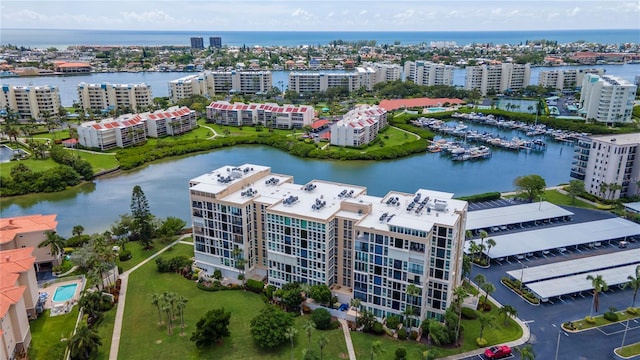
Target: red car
x,y
497,352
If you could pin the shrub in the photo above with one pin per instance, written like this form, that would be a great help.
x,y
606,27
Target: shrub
x,y
590,320
632,311
335,325
414,335
393,321
611,316
173,264
378,329
402,334
469,313
401,354
481,342
322,318
124,255
255,286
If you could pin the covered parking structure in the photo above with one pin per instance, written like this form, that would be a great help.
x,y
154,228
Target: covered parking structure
x,y
575,284
577,266
516,215
561,237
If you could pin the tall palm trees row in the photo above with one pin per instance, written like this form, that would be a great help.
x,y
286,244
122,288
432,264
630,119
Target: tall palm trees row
x,y
599,285
173,306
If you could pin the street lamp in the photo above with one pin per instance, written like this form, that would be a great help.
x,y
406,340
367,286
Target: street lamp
x,y
558,341
624,336
521,274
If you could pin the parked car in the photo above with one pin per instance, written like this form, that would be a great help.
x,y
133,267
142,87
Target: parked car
x,y
497,352
622,244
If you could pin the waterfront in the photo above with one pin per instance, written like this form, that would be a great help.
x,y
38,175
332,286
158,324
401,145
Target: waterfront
x,y
96,205
159,81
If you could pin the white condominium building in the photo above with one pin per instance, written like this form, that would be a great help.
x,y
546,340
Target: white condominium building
x,y
497,78
31,102
565,79
126,130
605,160
386,72
108,96
170,122
607,99
359,126
362,77
269,115
366,247
210,83
428,73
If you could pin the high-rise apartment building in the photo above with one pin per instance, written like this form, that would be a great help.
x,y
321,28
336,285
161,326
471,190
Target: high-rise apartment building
x,y
602,161
197,43
565,79
107,96
363,77
497,78
215,42
31,102
359,126
215,82
366,247
607,99
428,73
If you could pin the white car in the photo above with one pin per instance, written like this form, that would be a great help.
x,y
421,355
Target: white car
x,y
562,249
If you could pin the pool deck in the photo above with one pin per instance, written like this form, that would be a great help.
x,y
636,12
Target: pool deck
x,y
61,307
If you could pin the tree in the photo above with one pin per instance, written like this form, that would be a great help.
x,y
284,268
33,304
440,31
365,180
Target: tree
x,y
181,304
84,344
488,289
355,302
531,186
575,188
167,309
322,342
485,320
508,311
170,227
483,235
155,300
460,294
366,320
526,352
603,189
291,335
268,328
55,242
490,243
473,250
77,230
466,266
309,326
141,216
321,318
599,285
212,327
321,294
376,348
634,283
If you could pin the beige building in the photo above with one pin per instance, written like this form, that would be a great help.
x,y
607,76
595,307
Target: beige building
x,y
428,73
366,247
18,299
565,79
107,96
607,99
497,78
29,231
127,130
170,122
31,102
210,83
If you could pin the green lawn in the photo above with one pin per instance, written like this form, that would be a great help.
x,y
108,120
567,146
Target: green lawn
x,y
138,254
629,350
105,330
623,315
143,338
47,331
555,197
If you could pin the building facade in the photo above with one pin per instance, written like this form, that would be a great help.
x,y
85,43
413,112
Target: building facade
x,y
197,43
603,161
607,99
363,77
269,115
170,122
210,83
31,102
124,131
215,42
565,79
497,78
28,232
107,96
359,126
365,247
428,73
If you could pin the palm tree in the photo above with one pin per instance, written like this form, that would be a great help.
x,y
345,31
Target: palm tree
x,y
55,241
526,352
486,320
376,348
412,292
634,283
155,300
460,294
490,243
483,235
603,189
181,303
322,342
355,302
167,309
473,250
290,334
84,343
599,285
308,329
428,354
488,288
508,311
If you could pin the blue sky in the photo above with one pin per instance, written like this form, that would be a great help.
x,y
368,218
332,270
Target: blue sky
x,y
327,15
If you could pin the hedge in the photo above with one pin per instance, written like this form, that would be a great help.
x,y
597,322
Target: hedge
x,y
481,197
469,313
255,286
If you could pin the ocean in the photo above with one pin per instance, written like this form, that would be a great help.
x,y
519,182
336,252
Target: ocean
x,y
38,38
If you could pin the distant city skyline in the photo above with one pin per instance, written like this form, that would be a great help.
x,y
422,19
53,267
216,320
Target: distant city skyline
x,y
330,15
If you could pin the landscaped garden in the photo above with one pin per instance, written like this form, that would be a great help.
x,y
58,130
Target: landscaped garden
x,y
50,334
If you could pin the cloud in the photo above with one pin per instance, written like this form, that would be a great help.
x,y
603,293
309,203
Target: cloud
x,y
148,16
363,12
574,12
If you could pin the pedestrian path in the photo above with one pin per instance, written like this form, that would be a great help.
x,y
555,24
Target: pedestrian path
x,y
347,338
124,277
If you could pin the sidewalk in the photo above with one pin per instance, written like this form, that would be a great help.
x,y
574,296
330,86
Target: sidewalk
x,y
117,327
347,339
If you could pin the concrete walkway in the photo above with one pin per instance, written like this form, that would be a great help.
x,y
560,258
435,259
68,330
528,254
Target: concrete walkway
x,y
347,339
215,134
117,327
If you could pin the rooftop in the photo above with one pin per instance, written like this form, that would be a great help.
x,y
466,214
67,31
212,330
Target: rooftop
x,y
390,105
618,139
10,227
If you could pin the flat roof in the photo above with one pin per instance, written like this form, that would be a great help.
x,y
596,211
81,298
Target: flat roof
x,y
480,219
634,206
561,236
576,283
577,266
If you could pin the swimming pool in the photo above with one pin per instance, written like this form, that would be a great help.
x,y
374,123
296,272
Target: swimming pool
x,y
436,109
64,292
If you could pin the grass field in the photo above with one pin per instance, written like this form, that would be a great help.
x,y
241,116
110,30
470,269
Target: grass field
x,y
138,254
629,350
143,338
47,333
555,197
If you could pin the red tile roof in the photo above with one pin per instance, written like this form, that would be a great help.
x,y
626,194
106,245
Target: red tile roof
x,y
318,124
10,227
391,105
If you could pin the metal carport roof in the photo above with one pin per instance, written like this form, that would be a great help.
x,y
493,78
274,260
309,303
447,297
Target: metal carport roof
x,y
516,214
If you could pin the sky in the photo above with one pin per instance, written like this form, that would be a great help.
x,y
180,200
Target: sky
x,y
327,15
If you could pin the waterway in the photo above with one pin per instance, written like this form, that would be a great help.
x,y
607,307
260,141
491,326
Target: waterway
x,y
96,205
159,81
